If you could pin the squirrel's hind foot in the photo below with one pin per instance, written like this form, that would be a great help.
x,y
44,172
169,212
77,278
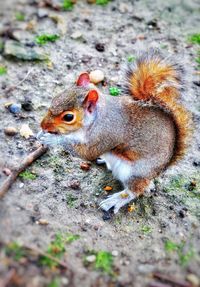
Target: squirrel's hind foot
x,y
117,200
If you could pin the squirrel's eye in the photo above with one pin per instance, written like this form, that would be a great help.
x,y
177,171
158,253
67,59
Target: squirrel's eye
x,y
69,117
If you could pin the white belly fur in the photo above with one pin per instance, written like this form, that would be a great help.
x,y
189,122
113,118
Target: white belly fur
x,y
120,168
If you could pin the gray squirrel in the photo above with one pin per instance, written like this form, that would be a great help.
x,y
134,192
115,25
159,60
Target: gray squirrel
x,y
137,135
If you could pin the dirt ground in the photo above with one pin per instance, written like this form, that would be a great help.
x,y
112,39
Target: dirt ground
x,y
162,234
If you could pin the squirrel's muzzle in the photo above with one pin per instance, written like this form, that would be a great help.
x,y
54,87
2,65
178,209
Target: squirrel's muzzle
x,y
48,124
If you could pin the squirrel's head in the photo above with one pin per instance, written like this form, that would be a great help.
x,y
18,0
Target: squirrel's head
x,y
68,109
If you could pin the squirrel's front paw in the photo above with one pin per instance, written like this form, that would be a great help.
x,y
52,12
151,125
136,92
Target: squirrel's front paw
x,y
47,138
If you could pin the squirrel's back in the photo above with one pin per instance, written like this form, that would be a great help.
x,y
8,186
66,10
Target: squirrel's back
x,y
159,81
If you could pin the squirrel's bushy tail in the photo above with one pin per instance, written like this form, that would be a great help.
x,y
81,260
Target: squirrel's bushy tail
x,y
160,81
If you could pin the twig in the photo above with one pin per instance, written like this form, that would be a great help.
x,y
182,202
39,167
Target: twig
x,y
172,280
159,284
10,89
58,261
25,163
42,253
8,278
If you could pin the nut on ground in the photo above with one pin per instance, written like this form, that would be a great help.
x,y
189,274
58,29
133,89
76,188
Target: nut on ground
x,y
131,207
108,188
85,165
124,195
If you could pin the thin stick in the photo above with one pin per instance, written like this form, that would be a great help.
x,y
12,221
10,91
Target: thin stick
x,y
25,163
58,261
171,280
8,278
42,253
159,284
10,89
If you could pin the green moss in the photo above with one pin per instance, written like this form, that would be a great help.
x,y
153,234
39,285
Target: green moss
x,y
114,91
72,237
102,2
145,207
189,186
15,250
45,38
55,283
3,70
104,261
131,59
57,248
185,190
1,45
55,162
70,199
170,246
27,175
184,255
19,16
163,46
195,38
67,5
146,229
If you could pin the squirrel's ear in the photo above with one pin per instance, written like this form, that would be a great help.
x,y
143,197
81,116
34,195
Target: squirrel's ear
x,y
83,80
91,100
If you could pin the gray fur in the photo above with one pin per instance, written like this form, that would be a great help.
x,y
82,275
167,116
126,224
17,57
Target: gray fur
x,y
68,99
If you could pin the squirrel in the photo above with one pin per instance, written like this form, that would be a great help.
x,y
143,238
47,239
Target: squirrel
x,y
138,134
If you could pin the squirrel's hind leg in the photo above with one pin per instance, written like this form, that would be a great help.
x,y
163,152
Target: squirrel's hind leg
x,y
119,199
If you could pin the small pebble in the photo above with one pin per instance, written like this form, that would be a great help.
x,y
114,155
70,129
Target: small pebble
x,y
115,253
96,76
14,108
100,47
42,221
65,281
196,163
141,37
10,131
7,171
84,165
192,186
27,105
124,8
76,35
42,13
192,278
90,258
25,131
75,184
182,213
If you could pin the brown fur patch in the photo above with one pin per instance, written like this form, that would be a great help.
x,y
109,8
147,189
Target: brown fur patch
x,y
124,152
139,185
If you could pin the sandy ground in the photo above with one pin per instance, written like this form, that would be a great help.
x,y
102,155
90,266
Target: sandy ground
x,y
168,213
